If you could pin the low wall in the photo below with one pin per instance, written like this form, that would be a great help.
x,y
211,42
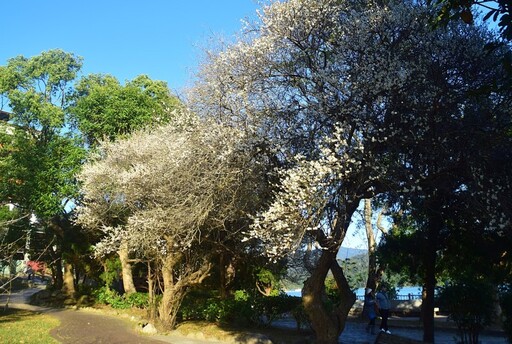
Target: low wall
x,y
401,307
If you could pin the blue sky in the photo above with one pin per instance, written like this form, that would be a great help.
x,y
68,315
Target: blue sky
x,y
124,38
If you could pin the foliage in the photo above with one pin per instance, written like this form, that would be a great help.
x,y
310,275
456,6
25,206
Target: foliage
x,y
499,10
242,309
469,305
168,193
103,109
356,270
112,267
43,157
267,282
111,297
19,326
357,98
40,156
506,308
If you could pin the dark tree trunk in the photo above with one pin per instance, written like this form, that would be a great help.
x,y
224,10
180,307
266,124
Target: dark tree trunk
x,y
435,223
152,308
69,281
226,274
328,324
324,323
347,296
176,287
58,277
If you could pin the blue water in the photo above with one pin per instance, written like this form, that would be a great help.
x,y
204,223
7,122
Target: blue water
x,y
360,291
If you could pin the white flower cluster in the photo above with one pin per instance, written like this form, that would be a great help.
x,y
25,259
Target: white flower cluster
x,y
163,189
306,192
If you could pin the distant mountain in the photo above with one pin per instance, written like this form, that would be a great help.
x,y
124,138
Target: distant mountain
x,y
348,252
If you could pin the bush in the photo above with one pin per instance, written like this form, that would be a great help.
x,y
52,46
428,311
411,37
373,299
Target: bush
x,y
469,304
242,309
506,308
271,308
115,300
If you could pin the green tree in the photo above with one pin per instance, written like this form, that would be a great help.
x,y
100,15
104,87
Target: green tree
x,y
43,155
103,109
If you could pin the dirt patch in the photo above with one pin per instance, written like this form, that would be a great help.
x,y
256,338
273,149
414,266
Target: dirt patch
x,y
228,334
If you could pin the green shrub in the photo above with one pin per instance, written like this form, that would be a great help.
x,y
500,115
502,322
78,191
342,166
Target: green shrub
x,y
137,300
115,300
112,269
469,305
242,309
271,308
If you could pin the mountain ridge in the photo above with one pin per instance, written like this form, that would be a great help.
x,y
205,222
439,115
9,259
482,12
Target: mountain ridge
x,y
349,252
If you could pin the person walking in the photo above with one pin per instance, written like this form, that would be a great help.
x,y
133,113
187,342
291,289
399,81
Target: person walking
x,y
369,309
384,306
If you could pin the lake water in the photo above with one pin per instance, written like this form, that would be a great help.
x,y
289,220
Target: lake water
x,y
415,290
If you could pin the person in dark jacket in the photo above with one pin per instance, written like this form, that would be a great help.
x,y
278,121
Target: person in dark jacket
x,y
369,309
384,306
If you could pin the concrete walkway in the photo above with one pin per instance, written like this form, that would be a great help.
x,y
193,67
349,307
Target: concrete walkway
x,y
81,326
355,333
20,299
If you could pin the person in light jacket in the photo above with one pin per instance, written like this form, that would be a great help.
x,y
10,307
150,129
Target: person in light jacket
x,y
384,306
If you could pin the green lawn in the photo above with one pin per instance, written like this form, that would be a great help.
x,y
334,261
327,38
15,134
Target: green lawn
x,y
19,326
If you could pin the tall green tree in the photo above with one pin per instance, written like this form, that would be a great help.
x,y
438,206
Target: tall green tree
x,y
43,154
104,110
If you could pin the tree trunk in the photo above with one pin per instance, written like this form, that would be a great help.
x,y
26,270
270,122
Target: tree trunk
x,y
226,274
175,290
347,296
428,302
372,245
427,305
324,323
69,281
58,278
171,297
152,307
126,270
328,325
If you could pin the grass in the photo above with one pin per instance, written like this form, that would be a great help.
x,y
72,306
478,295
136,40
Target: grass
x,y
20,326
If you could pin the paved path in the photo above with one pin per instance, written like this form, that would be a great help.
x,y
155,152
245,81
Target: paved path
x,y
355,333
83,326
20,299
88,327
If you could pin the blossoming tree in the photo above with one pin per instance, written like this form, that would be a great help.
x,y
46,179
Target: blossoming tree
x,y
336,90
171,190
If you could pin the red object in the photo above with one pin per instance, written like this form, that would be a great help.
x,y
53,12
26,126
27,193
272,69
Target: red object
x,y
36,266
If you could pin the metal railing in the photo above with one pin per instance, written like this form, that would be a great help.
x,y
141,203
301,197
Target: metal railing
x,y
400,297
